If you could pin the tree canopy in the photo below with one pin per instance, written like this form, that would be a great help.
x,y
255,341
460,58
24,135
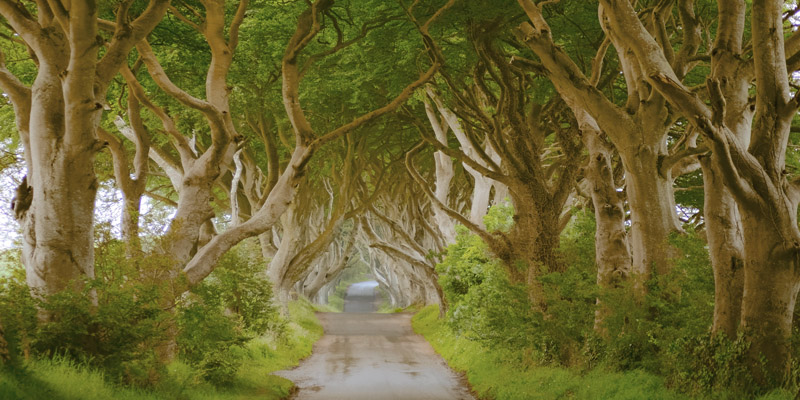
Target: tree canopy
x,y
331,133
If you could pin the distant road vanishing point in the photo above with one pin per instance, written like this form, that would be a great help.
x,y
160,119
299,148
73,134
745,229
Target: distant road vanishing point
x,y
369,356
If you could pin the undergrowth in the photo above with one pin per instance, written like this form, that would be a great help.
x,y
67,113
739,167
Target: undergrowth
x,y
64,378
652,345
496,373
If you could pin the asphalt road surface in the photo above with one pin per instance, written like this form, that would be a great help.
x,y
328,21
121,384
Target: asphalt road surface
x,y
373,357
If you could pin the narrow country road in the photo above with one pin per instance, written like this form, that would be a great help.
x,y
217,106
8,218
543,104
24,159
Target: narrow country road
x,y
371,356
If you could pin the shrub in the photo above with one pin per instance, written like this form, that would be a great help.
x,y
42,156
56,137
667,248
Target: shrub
x,y
123,321
114,322
232,306
206,338
240,286
665,332
17,308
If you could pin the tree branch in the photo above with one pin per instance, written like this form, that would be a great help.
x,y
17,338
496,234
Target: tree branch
x,y
485,235
21,21
126,36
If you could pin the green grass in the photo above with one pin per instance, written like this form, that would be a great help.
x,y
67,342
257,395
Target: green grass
x,y
324,308
387,308
495,374
61,379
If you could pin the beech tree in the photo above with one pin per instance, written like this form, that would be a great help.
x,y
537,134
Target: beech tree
x,y
311,225
401,232
750,206
57,119
329,265
399,223
306,142
638,131
58,239
753,172
506,143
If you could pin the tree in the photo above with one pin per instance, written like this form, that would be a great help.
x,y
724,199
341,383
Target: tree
x,y
510,141
57,119
754,173
638,131
306,141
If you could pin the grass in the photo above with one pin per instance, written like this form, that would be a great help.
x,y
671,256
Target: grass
x,y
386,308
495,374
61,379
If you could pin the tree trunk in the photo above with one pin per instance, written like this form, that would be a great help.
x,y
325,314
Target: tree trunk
x,y
57,120
771,284
612,250
192,213
652,206
130,224
268,248
639,132
444,175
725,248
330,267
59,226
291,242
481,194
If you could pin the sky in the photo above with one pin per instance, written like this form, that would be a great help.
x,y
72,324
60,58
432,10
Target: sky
x,y
108,207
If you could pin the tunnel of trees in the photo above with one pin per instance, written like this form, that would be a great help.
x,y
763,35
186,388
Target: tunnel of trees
x,y
594,182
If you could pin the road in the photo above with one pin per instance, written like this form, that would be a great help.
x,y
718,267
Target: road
x,y
371,356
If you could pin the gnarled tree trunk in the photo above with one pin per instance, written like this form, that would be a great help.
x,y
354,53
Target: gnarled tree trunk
x,y
755,175
57,119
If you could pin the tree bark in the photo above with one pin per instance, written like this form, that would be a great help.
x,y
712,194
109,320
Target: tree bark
x,y
444,175
722,217
612,249
725,248
59,226
652,205
771,284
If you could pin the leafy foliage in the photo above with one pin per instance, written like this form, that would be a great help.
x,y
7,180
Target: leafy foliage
x,y
231,307
121,323
664,333
62,378
240,286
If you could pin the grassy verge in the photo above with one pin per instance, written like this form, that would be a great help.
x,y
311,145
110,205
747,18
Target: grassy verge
x,y
495,374
62,379
386,308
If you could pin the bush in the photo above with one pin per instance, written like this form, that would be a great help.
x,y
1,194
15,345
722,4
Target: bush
x,y
239,285
206,338
486,307
112,322
17,308
124,321
653,333
231,307
665,332
115,322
